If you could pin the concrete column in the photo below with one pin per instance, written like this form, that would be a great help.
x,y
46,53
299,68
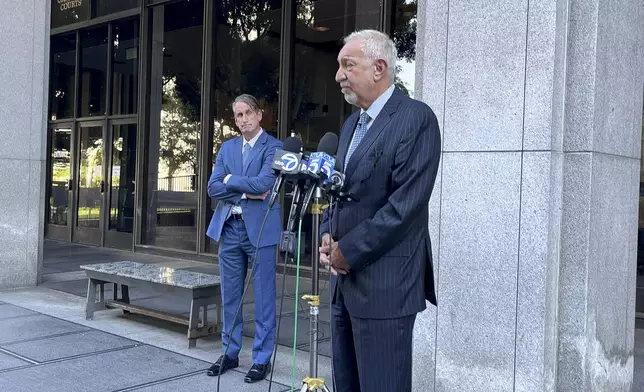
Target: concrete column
x,y
534,215
24,68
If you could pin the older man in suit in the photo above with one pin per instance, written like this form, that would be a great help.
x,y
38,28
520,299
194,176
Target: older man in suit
x,y
241,180
378,249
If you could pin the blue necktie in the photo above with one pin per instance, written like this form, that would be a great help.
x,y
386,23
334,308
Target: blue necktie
x,y
245,154
361,130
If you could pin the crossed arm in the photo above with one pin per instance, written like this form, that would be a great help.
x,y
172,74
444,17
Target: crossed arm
x,y
255,185
216,187
232,187
259,184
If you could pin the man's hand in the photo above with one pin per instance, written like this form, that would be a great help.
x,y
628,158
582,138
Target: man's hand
x,y
324,257
258,197
331,256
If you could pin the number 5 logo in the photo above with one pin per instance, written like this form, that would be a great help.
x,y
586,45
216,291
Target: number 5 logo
x,y
314,166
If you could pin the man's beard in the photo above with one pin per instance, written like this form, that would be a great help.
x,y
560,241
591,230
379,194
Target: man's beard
x,y
351,98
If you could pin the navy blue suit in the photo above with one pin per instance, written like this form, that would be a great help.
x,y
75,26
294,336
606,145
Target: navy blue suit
x,y
385,239
238,239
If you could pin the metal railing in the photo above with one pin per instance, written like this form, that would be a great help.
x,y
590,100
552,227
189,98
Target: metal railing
x,y
178,183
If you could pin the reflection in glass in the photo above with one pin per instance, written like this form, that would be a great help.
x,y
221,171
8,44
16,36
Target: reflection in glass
x,y
106,7
90,176
317,103
61,173
63,68
123,177
93,75
247,59
173,184
125,66
404,36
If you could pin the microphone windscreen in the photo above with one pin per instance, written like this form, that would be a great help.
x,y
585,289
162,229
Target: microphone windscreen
x,y
292,144
338,166
328,143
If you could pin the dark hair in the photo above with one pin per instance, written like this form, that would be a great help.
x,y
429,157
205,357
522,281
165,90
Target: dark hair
x,y
248,100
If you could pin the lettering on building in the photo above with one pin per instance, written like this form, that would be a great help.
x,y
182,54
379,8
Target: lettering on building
x,y
69,4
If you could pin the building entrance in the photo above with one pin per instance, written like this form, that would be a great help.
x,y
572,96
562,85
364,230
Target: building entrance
x,y
92,184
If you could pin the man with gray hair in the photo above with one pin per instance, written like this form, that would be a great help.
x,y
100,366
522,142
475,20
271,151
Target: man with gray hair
x,y
241,179
378,248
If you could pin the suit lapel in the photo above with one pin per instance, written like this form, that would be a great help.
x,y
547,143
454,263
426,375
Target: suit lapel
x,y
237,157
255,150
374,131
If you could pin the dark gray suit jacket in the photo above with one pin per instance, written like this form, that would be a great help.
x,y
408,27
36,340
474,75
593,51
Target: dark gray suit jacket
x,y
385,236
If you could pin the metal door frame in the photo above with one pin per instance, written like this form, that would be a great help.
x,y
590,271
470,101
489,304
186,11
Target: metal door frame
x,y
112,238
86,235
54,231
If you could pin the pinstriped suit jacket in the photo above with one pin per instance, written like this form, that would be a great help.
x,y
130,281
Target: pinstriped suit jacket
x,y
385,236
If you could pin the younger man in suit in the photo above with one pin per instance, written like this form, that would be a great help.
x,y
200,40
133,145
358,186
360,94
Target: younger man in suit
x,y
241,180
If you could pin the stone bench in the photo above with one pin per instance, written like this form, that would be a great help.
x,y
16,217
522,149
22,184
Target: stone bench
x,y
203,289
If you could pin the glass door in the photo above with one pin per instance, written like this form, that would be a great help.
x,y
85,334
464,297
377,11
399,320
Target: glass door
x,y
89,184
121,191
172,186
59,215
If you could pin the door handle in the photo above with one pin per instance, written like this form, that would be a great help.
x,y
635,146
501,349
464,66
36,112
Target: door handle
x,y
102,186
70,182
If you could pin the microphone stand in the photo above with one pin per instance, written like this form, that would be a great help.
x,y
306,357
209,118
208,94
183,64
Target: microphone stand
x,y
313,382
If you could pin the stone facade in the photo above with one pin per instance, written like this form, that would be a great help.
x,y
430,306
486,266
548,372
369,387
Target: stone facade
x,y
24,69
534,215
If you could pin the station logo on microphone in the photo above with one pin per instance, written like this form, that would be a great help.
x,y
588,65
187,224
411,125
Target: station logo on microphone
x,y
287,161
321,162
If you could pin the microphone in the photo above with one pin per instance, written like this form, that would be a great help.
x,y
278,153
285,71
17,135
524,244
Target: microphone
x,y
337,178
321,165
286,161
335,184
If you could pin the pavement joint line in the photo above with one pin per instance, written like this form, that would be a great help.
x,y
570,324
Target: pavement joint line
x,y
60,360
179,377
23,367
158,382
239,371
20,357
77,356
17,317
35,339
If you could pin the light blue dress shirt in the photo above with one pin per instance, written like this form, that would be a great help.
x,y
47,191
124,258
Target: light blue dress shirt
x,y
377,105
251,142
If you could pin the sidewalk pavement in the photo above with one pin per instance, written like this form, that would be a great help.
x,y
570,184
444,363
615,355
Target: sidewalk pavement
x,y
47,345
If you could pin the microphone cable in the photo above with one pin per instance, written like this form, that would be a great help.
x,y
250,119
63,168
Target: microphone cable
x,y
292,214
241,302
297,280
279,320
297,299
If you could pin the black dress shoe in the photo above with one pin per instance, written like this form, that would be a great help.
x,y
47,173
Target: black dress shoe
x,y
229,363
257,372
